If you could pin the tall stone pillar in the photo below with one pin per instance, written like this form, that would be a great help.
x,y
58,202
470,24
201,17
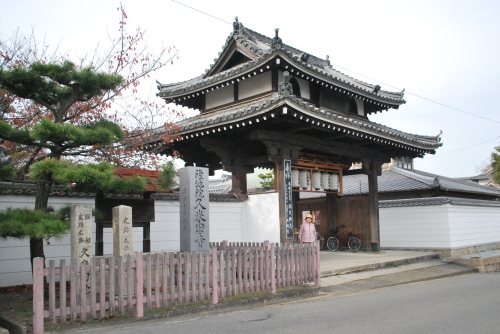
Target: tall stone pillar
x,y
81,240
122,231
81,233
194,210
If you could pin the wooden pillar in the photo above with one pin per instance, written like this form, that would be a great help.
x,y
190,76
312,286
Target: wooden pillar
x,y
373,172
99,230
239,181
295,201
280,183
99,239
330,211
277,152
146,237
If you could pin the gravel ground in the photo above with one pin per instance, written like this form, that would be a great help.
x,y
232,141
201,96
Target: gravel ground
x,y
16,305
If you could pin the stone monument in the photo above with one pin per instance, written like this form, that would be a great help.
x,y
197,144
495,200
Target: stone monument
x,y
194,201
81,233
122,231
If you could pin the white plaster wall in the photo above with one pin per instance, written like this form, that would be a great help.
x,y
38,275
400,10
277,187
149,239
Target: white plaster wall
x,y
226,223
218,97
472,226
441,227
261,216
15,266
422,227
361,106
304,88
255,85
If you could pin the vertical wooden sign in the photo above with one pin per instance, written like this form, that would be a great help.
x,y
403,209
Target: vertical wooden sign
x,y
288,199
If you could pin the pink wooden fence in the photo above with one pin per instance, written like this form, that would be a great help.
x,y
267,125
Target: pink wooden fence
x,y
165,279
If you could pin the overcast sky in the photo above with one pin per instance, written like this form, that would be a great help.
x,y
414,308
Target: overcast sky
x,y
444,53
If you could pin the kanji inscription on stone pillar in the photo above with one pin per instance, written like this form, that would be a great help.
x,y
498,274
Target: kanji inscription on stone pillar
x,y
122,231
81,233
194,231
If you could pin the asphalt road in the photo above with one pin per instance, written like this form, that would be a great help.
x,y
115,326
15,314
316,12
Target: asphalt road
x,y
462,304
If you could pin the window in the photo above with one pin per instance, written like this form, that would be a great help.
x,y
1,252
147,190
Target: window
x,y
295,87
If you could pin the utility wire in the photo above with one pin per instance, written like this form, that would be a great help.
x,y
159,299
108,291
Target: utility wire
x,y
460,149
215,17
424,98
407,92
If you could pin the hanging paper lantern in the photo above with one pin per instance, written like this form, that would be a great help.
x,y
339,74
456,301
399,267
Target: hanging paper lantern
x,y
334,182
325,181
316,180
295,178
304,179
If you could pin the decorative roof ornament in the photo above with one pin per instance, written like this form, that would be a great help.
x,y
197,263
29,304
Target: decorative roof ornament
x,y
328,60
237,27
285,88
276,43
376,89
304,57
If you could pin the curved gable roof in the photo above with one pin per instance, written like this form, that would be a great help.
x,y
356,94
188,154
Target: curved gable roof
x,y
262,51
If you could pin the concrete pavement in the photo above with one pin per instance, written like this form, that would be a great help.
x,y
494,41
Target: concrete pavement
x,y
345,262
390,267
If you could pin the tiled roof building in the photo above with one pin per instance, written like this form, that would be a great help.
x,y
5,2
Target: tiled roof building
x,y
263,102
398,183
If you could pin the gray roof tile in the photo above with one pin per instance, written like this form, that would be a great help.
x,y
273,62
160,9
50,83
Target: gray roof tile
x,y
256,107
400,180
399,203
260,46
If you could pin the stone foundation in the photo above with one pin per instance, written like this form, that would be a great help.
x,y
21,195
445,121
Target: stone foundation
x,y
484,264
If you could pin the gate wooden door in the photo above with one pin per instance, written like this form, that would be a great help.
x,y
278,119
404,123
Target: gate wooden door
x,y
354,214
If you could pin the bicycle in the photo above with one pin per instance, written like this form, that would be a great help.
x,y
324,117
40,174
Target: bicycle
x,y
352,241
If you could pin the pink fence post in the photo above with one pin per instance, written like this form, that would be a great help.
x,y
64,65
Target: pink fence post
x,y
214,299
272,270
139,306
38,295
317,273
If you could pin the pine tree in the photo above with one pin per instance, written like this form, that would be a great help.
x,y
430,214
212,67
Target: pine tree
x,y
267,181
57,88
55,116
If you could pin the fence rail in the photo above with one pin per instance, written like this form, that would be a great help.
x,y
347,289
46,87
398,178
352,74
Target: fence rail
x,y
107,286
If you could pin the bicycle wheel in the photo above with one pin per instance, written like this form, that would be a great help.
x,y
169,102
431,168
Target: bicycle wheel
x,y
332,243
354,243
321,242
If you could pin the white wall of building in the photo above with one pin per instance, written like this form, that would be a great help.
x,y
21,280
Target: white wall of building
x,y
440,227
226,223
262,218
418,227
218,97
472,225
255,85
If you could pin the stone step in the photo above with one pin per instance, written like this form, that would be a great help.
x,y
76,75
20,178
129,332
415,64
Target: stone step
x,y
396,275
378,265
